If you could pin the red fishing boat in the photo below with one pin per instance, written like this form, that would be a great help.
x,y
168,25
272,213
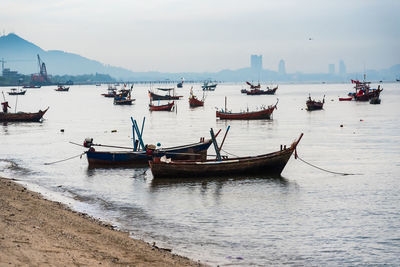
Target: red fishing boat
x,y
345,98
62,88
193,101
269,91
166,107
364,91
263,113
314,105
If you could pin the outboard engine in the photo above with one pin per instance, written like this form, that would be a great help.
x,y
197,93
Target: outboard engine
x,y
88,142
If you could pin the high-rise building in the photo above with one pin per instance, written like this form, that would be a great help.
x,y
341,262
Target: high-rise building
x,y
256,62
342,68
331,68
282,68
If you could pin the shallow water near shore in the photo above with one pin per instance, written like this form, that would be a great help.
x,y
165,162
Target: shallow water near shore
x,y
305,217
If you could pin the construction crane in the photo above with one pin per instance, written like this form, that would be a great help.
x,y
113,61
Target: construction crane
x,y
41,77
42,69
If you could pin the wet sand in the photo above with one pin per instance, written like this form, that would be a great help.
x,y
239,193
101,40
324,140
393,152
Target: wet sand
x,y
39,232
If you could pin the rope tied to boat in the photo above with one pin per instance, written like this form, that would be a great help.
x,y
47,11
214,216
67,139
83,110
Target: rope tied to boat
x,y
322,169
80,155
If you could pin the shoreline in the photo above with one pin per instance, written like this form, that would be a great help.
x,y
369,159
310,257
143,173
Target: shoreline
x,y
37,231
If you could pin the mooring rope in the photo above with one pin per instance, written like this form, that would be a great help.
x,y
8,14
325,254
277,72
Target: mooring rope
x,y
80,155
325,170
230,153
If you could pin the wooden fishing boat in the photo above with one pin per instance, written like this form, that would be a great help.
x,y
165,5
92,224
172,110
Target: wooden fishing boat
x,y
22,116
165,107
123,101
111,92
263,113
140,153
197,151
124,97
314,105
363,91
154,96
180,84
14,91
62,88
256,91
367,94
265,164
194,101
209,86
345,98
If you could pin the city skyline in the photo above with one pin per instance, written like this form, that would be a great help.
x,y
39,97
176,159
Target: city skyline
x,y
209,36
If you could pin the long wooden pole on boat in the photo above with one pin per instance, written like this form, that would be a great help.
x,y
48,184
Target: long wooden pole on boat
x,y
133,138
138,132
215,144
225,104
223,140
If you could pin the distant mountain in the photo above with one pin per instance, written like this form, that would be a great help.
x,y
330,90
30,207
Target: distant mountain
x,y
21,55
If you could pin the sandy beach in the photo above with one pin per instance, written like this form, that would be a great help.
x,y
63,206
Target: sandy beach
x,y
38,232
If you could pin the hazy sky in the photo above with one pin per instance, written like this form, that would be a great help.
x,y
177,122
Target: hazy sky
x,y
211,35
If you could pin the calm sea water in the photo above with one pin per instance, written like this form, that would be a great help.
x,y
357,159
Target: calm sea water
x,y
305,217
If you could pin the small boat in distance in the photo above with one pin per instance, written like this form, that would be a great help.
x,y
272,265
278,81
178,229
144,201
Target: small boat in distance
x,y
154,96
62,88
14,91
263,113
123,100
269,91
164,107
180,84
265,164
209,86
110,93
124,97
345,98
314,105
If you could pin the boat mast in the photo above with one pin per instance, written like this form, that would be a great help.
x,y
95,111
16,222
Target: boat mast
x,y
225,104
